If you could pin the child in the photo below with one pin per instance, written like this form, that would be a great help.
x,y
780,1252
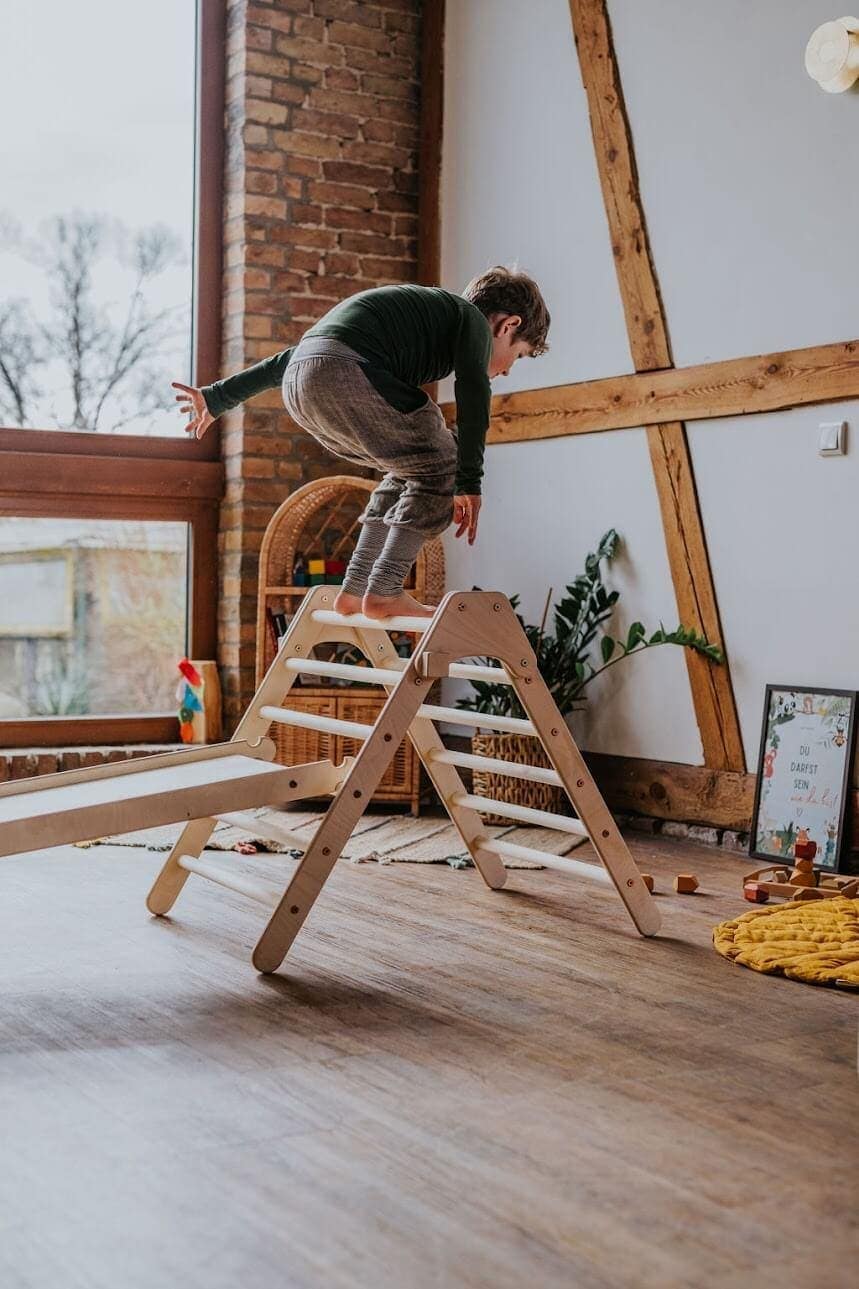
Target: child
x,y
353,383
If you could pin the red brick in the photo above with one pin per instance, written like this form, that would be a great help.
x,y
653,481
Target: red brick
x,y
258,37
394,109
341,262
306,73
389,87
262,254
315,52
352,172
331,123
390,132
305,261
254,134
360,37
371,221
387,64
404,270
396,201
342,101
270,207
308,145
286,92
385,154
267,64
402,22
288,283
370,244
309,167
341,78
265,159
262,181
258,109
341,194
314,28
349,11
305,213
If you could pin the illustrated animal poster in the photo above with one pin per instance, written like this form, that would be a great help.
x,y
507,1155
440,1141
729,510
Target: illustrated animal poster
x,y
804,775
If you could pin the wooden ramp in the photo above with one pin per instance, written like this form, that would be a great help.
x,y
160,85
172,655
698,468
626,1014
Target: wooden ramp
x,y
205,784
82,804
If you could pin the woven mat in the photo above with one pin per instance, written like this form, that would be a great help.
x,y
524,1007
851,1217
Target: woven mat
x,y
816,941
386,839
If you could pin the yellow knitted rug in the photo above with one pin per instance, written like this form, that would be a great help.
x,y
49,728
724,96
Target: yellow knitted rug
x,y
812,940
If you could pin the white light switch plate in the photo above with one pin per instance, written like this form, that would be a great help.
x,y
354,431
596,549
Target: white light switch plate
x,y
833,438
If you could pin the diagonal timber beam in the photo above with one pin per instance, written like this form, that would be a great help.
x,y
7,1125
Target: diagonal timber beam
x,y
712,691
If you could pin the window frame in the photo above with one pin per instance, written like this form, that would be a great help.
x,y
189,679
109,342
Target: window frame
x,y
66,473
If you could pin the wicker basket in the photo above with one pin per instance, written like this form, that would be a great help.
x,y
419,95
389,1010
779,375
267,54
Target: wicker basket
x,y
524,749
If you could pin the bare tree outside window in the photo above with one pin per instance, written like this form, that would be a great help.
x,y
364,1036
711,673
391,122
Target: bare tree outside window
x,y
96,360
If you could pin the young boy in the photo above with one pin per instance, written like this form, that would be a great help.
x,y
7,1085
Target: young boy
x,y
353,383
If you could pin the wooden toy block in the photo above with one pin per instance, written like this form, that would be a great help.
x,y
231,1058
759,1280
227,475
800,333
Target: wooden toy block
x,y
800,878
833,884
781,874
647,878
804,866
685,883
755,893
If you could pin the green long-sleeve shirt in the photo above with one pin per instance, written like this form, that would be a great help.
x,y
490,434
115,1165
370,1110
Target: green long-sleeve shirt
x,y
409,336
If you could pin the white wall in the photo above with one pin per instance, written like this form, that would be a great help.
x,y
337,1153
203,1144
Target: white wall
x,y
751,192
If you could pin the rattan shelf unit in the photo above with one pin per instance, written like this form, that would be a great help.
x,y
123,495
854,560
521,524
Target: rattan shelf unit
x,y
322,518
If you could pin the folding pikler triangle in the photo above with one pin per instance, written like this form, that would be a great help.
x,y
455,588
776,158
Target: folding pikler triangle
x,y
206,784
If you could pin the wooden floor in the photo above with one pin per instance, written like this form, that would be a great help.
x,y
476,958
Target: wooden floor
x,y
444,1086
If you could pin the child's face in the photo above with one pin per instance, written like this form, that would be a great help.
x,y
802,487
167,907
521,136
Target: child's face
x,y
505,347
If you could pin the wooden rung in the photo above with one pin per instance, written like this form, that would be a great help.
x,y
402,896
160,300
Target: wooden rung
x,y
511,769
390,675
332,619
268,828
344,670
564,865
460,716
262,892
542,818
310,721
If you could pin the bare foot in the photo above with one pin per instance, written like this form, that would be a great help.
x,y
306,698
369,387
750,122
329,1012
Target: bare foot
x,y
395,606
346,603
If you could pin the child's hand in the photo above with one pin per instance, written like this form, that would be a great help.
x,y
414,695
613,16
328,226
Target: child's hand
x,y
466,508
192,403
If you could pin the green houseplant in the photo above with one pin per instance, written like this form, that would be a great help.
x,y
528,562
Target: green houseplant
x,y
565,663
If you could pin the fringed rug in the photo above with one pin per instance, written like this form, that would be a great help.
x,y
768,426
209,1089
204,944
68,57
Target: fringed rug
x,y
384,839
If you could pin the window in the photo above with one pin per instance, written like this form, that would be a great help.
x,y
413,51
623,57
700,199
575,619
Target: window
x,y
110,280
96,217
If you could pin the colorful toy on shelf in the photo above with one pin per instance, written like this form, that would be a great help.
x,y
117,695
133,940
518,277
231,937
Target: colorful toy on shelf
x,y
804,883
804,847
685,883
334,570
316,570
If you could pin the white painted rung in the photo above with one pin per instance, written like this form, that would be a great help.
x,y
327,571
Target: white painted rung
x,y
310,721
390,675
268,828
469,671
512,769
345,671
561,862
332,619
542,818
460,716
262,892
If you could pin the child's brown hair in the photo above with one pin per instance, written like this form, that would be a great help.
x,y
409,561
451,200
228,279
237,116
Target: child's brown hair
x,y
503,290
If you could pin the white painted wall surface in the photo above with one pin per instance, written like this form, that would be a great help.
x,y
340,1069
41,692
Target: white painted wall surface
x,y
750,191
748,173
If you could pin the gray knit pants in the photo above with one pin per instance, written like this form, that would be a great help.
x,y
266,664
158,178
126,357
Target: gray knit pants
x,y
327,393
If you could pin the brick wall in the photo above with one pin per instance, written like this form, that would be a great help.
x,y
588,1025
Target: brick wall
x,y
320,201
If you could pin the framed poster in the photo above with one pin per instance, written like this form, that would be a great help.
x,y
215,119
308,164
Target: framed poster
x,y
804,771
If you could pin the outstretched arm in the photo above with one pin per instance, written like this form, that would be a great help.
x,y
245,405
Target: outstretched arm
x,y
206,404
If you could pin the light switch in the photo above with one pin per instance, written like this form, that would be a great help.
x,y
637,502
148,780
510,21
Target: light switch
x,y
833,438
